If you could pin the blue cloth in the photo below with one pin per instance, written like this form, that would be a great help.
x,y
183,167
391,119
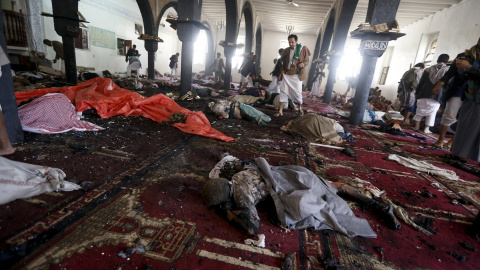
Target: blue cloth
x,y
133,59
411,108
259,116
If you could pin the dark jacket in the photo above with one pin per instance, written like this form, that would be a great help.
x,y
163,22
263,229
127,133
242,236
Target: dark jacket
x,y
130,52
249,69
278,68
173,60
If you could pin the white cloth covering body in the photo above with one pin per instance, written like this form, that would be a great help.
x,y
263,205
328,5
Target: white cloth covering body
x,y
22,180
52,113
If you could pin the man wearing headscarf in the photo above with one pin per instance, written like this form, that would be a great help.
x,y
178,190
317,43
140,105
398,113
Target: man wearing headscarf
x,y
427,103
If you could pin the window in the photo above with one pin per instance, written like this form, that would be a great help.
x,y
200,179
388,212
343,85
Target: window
x,y
123,46
431,51
81,42
200,49
383,76
138,29
239,53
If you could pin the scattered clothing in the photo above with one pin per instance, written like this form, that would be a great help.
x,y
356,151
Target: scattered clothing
x,y
424,166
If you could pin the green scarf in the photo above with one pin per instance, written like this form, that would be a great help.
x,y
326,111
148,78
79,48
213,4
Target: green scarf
x,y
297,51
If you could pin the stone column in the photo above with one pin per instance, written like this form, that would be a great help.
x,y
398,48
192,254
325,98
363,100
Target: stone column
x,y
65,20
151,46
230,36
188,10
7,95
363,85
340,36
373,45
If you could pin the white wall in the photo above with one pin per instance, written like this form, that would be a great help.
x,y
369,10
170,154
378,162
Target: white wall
x,y
120,20
459,28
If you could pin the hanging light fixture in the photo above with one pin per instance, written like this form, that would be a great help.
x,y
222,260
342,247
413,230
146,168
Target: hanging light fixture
x,y
289,29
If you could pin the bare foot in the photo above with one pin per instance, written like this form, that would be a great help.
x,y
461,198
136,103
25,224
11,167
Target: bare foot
x,y
449,144
438,144
277,114
10,150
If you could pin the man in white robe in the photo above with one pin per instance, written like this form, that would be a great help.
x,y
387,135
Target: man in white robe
x,y
295,58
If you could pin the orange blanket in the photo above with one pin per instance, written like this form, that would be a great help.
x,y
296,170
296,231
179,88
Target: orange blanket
x,y
110,100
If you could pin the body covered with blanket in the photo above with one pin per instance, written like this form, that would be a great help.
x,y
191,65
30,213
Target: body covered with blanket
x,y
302,199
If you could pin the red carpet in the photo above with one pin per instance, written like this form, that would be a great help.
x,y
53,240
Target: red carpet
x,y
147,191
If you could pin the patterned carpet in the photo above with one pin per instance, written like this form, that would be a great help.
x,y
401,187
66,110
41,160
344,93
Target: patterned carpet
x,y
144,209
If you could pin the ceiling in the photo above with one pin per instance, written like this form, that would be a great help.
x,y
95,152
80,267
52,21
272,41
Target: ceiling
x,y
307,18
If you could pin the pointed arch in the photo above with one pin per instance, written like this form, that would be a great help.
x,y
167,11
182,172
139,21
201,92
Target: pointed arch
x,y
147,16
173,5
316,54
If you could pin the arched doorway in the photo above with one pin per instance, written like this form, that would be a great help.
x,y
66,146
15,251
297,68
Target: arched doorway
x,y
247,17
316,55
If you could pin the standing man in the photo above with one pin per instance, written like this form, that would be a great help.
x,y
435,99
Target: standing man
x,y
173,65
133,64
219,67
406,89
453,94
58,48
317,78
295,59
131,52
244,63
249,71
274,86
428,103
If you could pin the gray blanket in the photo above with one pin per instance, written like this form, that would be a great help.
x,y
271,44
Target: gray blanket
x,y
303,200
